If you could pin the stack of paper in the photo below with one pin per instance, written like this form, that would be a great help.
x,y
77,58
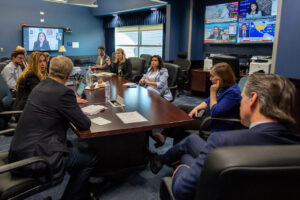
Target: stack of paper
x,y
130,85
100,121
131,117
92,109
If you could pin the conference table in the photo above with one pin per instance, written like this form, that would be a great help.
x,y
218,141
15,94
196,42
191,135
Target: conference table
x,y
123,145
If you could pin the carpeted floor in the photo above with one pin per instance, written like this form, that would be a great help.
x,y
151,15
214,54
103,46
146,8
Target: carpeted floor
x,y
130,184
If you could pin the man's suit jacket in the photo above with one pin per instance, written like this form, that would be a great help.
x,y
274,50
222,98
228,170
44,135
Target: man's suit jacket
x,y
274,133
104,64
41,130
241,33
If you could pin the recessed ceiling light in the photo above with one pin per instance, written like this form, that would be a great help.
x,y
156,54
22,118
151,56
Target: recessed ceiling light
x,y
153,8
42,20
115,15
42,13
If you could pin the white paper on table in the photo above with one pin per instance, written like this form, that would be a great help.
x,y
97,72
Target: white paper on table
x,y
103,74
131,117
92,109
100,121
129,84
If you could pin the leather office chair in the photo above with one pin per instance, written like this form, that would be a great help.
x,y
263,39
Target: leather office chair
x,y
147,59
16,187
6,102
185,66
247,173
4,58
173,71
138,65
2,65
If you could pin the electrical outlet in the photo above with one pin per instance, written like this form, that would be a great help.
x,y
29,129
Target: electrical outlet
x,y
2,49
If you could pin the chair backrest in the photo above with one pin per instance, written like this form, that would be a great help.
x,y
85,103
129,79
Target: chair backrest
x,y
173,70
138,65
251,172
233,61
4,58
182,61
2,65
147,59
5,95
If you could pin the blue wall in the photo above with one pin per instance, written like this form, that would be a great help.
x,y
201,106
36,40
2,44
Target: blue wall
x,y
288,50
86,28
106,7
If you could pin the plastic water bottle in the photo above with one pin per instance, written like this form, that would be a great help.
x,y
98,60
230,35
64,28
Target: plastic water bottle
x,y
88,77
107,90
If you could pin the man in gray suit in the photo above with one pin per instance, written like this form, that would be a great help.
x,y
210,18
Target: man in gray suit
x,y
41,131
101,60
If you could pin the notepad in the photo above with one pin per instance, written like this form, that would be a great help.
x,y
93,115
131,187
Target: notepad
x,y
131,117
100,121
92,109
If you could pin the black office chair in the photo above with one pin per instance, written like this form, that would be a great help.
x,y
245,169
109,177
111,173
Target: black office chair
x,y
173,71
4,58
6,102
233,61
15,187
185,65
147,59
138,65
2,65
247,173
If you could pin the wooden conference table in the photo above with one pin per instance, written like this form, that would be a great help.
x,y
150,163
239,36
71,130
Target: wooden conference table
x,y
124,145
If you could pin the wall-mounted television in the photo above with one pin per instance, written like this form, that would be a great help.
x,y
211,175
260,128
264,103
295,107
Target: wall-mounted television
x,y
42,38
258,31
226,12
220,33
252,21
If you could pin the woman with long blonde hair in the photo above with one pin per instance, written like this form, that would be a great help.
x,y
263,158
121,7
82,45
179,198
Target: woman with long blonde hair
x,y
29,78
121,66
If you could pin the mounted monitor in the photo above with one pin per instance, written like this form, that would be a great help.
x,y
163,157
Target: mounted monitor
x,y
257,9
220,33
258,31
220,13
42,38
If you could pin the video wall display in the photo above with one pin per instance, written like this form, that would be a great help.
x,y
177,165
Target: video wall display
x,y
249,21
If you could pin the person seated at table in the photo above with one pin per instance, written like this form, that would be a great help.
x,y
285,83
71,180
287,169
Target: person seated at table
x,y
24,64
41,131
266,108
47,55
121,66
29,78
156,78
224,101
101,60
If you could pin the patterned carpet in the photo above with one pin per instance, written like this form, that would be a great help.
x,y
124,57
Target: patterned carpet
x,y
130,184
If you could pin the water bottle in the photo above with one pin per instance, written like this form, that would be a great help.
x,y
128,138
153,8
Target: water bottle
x,y
88,77
107,90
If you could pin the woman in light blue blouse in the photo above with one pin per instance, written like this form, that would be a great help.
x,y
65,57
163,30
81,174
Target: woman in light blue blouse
x,y
156,78
253,12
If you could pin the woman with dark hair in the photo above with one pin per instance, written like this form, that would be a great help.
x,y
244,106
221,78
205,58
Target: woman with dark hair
x,y
41,43
224,102
253,11
156,78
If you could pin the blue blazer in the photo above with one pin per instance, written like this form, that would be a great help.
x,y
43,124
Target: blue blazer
x,y
228,106
162,82
185,180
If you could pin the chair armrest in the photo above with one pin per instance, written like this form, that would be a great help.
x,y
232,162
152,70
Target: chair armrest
x,y
226,119
163,91
7,131
11,112
26,162
166,189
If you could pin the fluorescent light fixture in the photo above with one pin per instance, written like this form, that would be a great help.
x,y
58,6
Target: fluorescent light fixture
x,y
42,13
114,15
42,20
153,9
87,3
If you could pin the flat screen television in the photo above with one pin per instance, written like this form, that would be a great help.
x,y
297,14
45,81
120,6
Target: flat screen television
x,y
42,38
257,9
220,13
220,33
258,31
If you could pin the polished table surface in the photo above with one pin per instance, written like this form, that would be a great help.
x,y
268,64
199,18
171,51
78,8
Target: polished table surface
x,y
159,112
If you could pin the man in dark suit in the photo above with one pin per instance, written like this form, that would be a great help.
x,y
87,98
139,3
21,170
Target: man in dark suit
x,y
244,32
266,108
42,127
101,60
216,34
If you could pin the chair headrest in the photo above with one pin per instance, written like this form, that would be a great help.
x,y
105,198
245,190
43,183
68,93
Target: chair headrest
x,y
182,55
